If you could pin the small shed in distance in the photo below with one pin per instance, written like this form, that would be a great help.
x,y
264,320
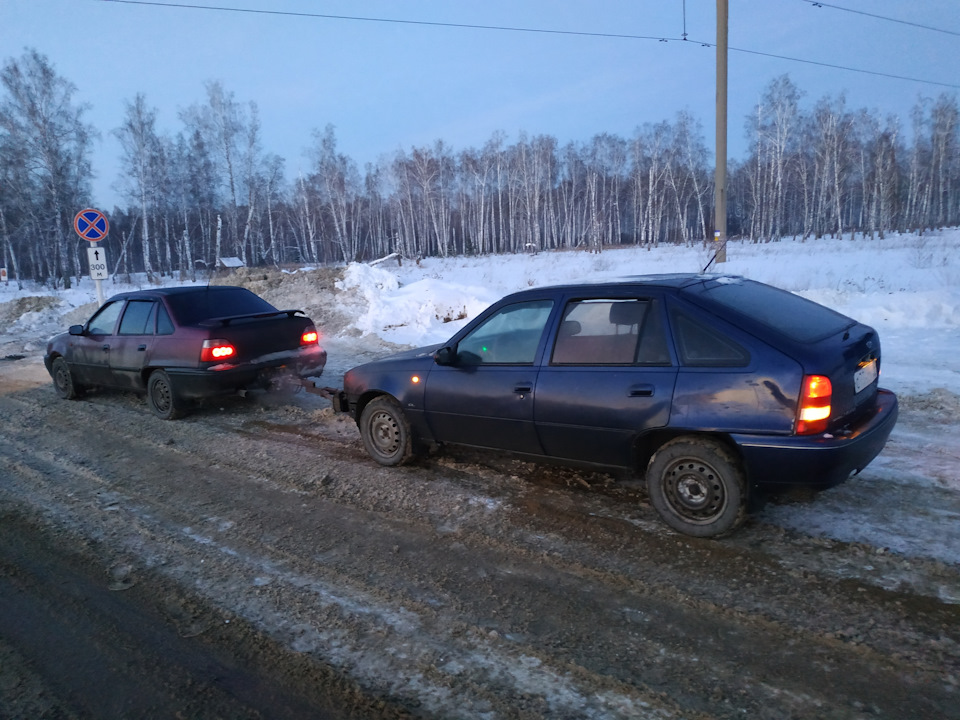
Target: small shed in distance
x,y
231,263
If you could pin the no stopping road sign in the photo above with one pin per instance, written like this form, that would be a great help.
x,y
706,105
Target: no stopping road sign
x,y
91,225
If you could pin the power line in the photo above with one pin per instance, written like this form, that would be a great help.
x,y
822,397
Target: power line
x,y
359,18
543,31
834,66
817,3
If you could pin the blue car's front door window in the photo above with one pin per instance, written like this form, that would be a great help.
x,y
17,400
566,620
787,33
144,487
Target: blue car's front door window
x,y
511,337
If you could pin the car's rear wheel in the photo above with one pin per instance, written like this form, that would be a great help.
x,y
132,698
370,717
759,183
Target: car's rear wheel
x,y
162,398
697,486
385,431
63,380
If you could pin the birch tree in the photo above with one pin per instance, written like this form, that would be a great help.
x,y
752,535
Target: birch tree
x,y
944,158
43,131
140,148
335,180
774,127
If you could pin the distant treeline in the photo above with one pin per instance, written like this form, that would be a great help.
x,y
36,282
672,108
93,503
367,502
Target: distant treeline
x,y
213,191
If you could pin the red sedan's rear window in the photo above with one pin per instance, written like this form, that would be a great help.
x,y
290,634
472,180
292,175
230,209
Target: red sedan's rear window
x,y
795,317
216,302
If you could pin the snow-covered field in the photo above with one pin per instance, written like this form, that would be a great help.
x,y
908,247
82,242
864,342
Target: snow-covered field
x,y
905,286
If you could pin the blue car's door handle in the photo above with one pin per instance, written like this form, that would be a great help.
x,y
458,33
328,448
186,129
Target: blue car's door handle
x,y
523,388
142,348
640,391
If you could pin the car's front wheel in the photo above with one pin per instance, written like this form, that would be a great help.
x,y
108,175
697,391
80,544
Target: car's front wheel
x,y
385,431
63,381
162,398
697,486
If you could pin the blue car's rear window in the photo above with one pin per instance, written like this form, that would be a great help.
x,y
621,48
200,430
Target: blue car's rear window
x,y
216,302
795,317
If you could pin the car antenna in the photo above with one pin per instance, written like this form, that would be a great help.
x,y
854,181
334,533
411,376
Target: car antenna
x,y
707,266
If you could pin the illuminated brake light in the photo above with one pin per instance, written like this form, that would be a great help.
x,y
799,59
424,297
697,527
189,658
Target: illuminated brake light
x,y
310,336
813,414
213,350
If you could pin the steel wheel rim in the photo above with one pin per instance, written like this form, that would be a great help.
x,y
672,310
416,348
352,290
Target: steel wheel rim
x,y
161,396
695,490
62,378
385,433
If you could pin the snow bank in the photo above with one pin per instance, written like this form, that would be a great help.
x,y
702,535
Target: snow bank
x,y
414,313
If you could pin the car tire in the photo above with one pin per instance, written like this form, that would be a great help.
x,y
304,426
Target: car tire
x,y
63,381
697,486
162,397
385,431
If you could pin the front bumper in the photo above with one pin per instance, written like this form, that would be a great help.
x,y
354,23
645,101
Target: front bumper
x,y
818,461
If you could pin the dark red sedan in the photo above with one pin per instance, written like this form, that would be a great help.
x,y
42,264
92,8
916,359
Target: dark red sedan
x,y
184,343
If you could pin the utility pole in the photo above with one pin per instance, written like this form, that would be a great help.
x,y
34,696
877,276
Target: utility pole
x,y
720,174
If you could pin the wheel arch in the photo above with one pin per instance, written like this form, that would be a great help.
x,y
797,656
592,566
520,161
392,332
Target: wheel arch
x,y
365,400
146,372
647,444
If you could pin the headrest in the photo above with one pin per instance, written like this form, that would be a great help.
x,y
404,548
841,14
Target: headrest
x,y
627,313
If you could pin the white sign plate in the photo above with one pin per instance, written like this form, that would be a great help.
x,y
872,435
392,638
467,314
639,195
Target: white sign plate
x,y
97,257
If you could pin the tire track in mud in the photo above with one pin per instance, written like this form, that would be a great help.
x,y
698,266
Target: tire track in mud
x,y
329,607
462,589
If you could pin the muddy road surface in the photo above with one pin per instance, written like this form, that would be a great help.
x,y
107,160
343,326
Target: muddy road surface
x,y
251,561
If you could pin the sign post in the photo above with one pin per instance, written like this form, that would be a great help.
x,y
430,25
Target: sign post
x,y
93,226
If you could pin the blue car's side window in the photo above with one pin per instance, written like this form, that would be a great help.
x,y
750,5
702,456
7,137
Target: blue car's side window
x,y
599,332
703,346
611,332
510,337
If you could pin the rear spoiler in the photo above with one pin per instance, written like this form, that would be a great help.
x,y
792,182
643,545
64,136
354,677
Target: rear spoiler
x,y
224,321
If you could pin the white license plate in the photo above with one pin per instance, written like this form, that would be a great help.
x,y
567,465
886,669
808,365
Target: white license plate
x,y
864,376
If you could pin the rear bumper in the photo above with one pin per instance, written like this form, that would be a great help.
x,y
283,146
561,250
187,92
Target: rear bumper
x,y
227,379
818,461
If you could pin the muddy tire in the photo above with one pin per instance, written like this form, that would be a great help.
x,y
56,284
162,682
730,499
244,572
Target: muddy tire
x,y
698,487
162,398
385,431
63,381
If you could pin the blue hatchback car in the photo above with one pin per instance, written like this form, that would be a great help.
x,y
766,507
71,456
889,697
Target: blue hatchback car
x,y
709,386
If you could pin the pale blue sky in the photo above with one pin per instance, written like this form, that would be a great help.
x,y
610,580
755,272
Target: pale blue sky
x,y
388,86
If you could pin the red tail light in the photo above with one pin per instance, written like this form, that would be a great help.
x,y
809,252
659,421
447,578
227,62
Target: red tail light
x,y
310,336
214,350
813,415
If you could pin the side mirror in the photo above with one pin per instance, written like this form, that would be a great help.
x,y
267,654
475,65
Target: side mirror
x,y
76,330
445,356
